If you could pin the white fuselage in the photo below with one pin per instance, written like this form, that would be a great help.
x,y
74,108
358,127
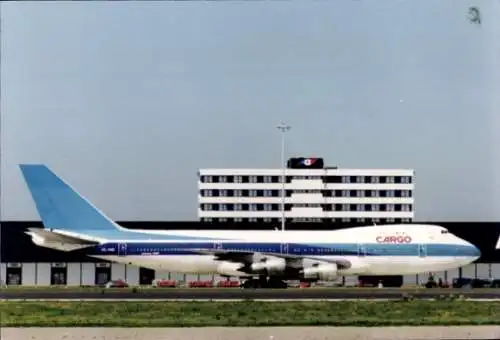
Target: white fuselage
x,y
383,250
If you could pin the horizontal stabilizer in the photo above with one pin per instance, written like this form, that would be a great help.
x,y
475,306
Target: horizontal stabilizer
x,y
57,240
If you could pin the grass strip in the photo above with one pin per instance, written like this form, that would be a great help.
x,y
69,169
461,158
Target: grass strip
x,y
247,313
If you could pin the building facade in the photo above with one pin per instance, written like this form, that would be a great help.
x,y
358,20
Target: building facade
x,y
313,193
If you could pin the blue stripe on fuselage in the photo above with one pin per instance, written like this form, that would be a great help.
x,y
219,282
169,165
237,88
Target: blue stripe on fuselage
x,y
319,249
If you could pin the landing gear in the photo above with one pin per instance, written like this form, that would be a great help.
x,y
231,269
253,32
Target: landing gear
x,y
264,282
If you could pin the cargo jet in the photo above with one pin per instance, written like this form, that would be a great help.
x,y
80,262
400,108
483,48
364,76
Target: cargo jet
x,y
262,258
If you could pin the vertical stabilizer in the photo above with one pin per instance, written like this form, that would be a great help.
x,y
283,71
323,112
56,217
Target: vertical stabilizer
x,y
59,205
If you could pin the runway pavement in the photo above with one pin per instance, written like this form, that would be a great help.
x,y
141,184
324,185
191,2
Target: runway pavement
x,y
238,294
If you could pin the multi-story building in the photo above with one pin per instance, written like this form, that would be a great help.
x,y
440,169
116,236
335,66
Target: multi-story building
x,y
313,193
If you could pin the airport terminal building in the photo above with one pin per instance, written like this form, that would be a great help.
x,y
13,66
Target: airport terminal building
x,y
316,198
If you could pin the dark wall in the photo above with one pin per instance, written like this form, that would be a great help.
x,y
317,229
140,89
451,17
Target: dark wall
x,y
17,247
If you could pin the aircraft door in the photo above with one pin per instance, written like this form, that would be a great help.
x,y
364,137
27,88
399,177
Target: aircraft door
x,y
284,248
422,250
361,250
122,249
217,245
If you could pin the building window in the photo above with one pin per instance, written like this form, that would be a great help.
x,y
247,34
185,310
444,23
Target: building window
x,y
374,179
252,207
207,179
346,220
207,207
390,193
390,207
375,193
268,207
207,193
390,179
238,219
268,179
222,207
375,207
268,193
223,193
360,179
345,207
252,193
360,207
346,179
345,193
222,179
360,193
252,219
238,207
406,179
237,193
253,179
238,179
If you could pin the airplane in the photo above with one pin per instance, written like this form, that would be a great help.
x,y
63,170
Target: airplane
x,y
262,259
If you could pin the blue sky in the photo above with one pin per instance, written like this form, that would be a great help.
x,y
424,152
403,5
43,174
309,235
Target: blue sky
x,y
128,100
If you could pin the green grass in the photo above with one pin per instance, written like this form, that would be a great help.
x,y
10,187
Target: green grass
x,y
247,313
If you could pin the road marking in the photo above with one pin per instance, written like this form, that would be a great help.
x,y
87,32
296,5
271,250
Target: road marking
x,y
228,300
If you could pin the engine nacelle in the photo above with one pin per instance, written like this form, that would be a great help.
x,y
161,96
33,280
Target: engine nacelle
x,y
322,272
271,265
230,269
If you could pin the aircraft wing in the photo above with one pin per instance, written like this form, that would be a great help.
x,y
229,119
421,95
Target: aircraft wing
x,y
246,257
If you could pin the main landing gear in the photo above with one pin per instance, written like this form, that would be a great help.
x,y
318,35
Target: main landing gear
x,y
264,282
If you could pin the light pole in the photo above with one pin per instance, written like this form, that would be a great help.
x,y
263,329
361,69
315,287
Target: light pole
x,y
284,128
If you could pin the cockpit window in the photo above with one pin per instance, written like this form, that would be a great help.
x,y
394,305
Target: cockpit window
x,y
444,231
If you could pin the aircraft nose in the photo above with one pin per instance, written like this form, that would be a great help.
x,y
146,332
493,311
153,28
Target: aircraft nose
x,y
475,251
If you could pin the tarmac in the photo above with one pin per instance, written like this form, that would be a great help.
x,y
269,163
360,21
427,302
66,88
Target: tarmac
x,y
252,333
244,294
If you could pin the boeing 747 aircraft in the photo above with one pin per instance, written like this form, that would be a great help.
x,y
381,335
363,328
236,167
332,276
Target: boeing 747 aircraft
x,y
263,258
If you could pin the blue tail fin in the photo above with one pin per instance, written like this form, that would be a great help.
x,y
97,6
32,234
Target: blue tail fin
x,y
59,205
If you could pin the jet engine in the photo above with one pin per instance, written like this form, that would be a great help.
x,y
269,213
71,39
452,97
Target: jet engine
x,y
322,272
273,266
